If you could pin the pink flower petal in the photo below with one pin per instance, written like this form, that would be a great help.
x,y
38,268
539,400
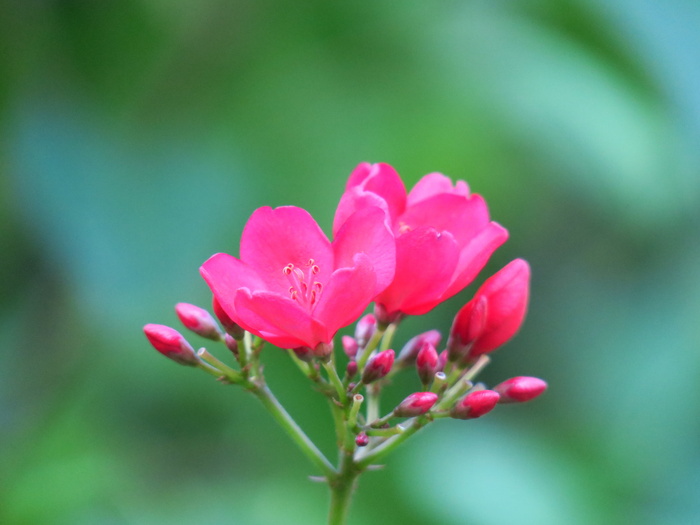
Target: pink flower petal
x,y
225,275
434,184
464,218
347,294
353,200
280,317
383,180
366,232
425,262
274,238
474,256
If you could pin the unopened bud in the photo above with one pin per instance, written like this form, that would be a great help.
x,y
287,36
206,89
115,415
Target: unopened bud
x,y
416,404
351,369
304,353
198,320
427,363
229,325
323,350
384,317
475,404
171,344
520,389
442,360
231,344
350,346
364,330
494,315
378,366
410,350
362,439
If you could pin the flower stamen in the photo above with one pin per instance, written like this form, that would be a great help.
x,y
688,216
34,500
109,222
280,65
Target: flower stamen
x,y
304,289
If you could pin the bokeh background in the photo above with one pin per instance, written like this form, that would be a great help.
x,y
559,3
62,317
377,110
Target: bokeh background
x,y
138,135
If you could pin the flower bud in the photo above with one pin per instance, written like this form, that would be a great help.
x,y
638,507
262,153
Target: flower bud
x,y
323,350
427,363
304,353
442,360
520,389
362,439
410,350
229,325
416,404
351,369
350,346
198,320
231,344
364,330
378,366
171,344
494,315
475,404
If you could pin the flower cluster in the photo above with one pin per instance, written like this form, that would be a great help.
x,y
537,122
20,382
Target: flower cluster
x,y
406,252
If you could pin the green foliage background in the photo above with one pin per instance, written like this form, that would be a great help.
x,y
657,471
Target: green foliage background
x,y
136,137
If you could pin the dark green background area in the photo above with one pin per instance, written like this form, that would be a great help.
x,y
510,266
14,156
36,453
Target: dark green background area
x,y
137,136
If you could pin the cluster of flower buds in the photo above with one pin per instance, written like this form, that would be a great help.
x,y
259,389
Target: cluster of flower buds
x,y
293,288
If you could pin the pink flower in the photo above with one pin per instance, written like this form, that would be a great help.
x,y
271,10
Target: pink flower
x,y
291,285
444,236
495,313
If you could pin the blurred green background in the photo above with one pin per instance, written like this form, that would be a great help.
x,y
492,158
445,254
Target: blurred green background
x,y
137,136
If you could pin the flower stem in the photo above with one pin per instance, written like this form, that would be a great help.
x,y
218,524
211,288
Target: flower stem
x,y
342,487
390,444
273,406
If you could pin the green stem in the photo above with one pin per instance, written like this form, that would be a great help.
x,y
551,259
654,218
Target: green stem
x,y
390,444
269,401
335,381
342,488
371,345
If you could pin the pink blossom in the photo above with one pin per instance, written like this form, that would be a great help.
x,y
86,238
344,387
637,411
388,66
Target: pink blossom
x,y
291,285
444,236
495,313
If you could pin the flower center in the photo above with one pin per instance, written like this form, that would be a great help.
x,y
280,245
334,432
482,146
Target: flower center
x,y
303,288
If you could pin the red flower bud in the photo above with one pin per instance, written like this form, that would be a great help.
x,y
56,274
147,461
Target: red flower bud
x,y
198,320
416,404
495,313
362,439
171,344
323,350
231,344
304,353
350,346
351,369
229,325
520,389
427,363
475,404
378,366
410,350
365,329
442,360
